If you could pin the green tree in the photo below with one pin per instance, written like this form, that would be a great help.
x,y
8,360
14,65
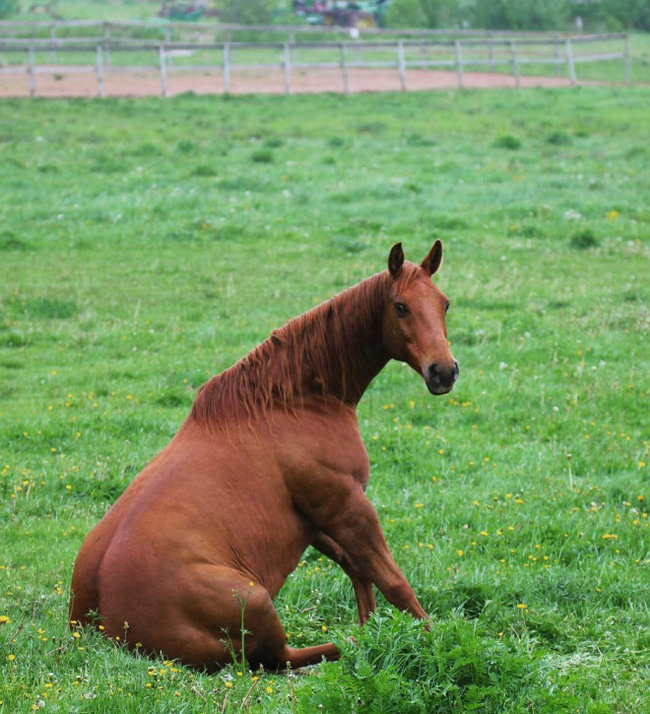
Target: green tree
x,y
247,12
520,14
8,7
629,13
423,13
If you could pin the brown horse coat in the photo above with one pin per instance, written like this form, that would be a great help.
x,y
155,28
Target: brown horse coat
x,y
269,461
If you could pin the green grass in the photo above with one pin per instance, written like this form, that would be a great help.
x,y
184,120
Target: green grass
x,y
147,244
90,10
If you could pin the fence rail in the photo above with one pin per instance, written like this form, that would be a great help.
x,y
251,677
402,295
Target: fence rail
x,y
403,55
469,42
289,30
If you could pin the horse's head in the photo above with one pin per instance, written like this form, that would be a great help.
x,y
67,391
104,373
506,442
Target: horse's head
x,y
414,328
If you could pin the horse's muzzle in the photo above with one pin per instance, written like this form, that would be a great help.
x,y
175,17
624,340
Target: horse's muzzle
x,y
441,379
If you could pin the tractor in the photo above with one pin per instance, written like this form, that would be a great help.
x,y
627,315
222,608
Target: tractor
x,y
362,15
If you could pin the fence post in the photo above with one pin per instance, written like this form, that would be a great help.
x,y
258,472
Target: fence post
x,y
30,72
491,53
459,64
226,68
556,56
287,68
168,39
163,70
100,72
515,63
107,35
569,59
344,68
401,65
55,58
628,60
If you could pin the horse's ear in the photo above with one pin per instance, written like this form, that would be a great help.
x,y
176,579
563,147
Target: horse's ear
x,y
396,260
433,261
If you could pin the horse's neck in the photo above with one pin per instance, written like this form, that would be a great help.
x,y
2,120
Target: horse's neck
x,y
357,353
334,352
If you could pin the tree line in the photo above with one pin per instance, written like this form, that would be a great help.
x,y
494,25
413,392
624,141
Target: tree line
x,y
539,15
590,15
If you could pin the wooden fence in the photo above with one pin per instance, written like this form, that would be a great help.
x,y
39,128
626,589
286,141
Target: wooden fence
x,y
495,54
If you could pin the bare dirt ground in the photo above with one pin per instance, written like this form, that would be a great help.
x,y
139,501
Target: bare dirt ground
x,y
62,82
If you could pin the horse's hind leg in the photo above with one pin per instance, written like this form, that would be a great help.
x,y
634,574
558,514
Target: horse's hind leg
x,y
223,602
296,658
268,644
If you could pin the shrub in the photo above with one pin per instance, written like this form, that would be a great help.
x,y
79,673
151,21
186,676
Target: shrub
x,y
423,13
558,138
397,666
614,14
508,142
584,239
8,7
630,13
262,156
204,170
521,14
246,12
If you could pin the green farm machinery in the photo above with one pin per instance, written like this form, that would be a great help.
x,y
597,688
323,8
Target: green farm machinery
x,y
362,15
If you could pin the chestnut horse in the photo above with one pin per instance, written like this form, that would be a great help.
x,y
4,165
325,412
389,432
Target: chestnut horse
x,y
269,461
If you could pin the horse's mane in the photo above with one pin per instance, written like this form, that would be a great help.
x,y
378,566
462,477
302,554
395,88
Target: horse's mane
x,y
299,358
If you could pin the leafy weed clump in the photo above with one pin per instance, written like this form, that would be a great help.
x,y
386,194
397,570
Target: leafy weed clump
x,y
508,142
559,138
274,142
262,156
584,239
397,666
203,170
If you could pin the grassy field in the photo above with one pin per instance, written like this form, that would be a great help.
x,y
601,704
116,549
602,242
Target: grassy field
x,y
146,245
89,9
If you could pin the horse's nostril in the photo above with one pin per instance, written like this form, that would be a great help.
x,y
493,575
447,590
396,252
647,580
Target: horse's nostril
x,y
434,373
456,370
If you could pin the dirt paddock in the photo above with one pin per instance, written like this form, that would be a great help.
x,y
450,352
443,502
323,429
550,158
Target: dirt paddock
x,y
60,81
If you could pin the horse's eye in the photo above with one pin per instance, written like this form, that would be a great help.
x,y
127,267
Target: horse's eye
x,y
401,309
447,304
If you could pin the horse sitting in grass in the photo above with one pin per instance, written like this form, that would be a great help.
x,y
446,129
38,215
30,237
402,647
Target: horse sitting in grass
x,y
269,461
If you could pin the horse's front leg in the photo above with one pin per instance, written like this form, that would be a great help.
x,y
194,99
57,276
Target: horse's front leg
x,y
341,510
362,588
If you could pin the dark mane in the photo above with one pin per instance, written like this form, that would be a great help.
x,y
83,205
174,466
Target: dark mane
x,y
311,354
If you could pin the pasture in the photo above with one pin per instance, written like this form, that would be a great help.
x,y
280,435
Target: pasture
x,y
146,245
